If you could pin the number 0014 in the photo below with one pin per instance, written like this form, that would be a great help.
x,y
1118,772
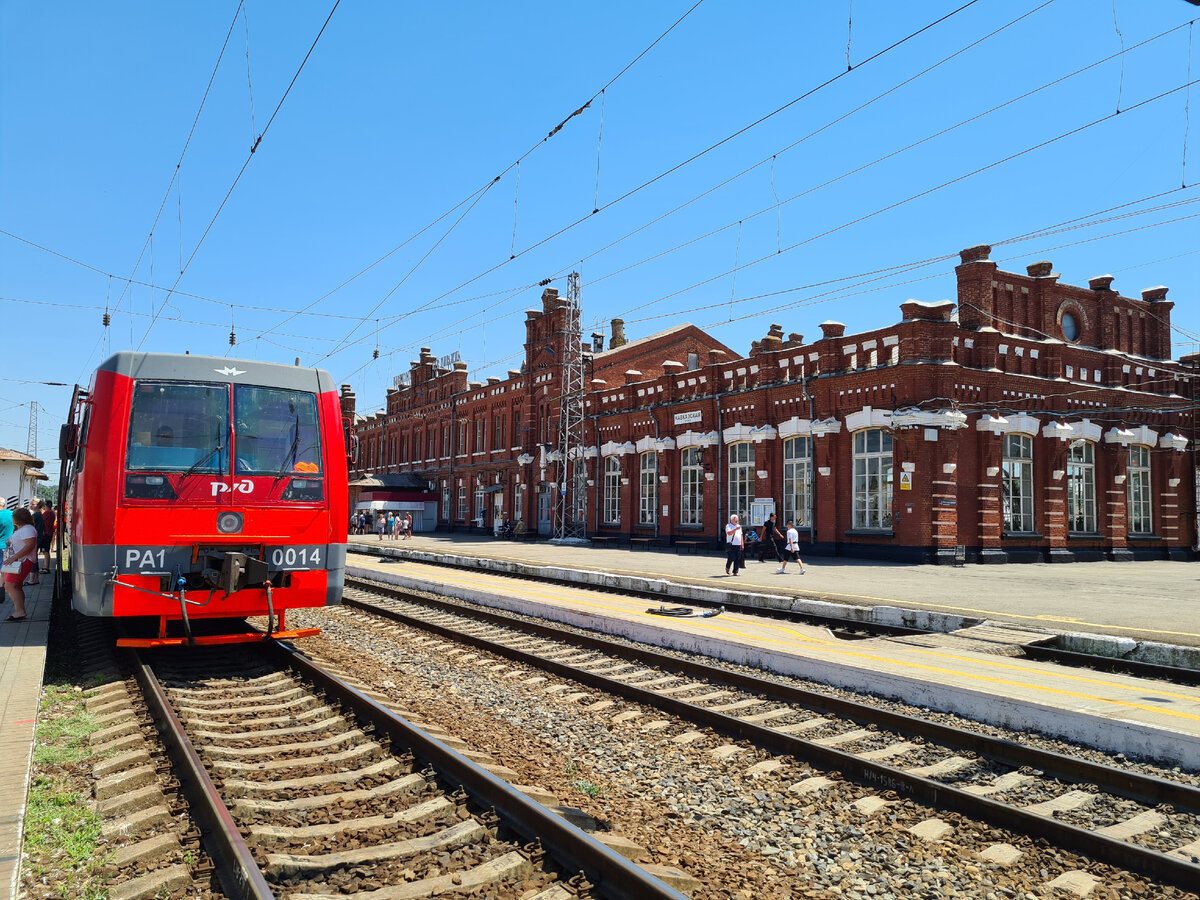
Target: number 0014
x,y
287,557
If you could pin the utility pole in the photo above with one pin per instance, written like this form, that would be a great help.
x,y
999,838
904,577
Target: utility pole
x,y
572,484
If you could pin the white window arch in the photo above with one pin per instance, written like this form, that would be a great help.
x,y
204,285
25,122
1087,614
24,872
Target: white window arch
x,y
691,486
873,478
612,490
1017,486
797,481
648,493
1137,490
741,477
1081,488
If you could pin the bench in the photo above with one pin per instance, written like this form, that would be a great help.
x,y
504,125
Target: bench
x,y
690,546
644,542
604,540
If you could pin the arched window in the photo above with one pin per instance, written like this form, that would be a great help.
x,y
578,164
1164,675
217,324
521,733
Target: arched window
x,y
648,497
1137,490
741,478
612,490
873,479
1017,487
691,486
1081,488
797,481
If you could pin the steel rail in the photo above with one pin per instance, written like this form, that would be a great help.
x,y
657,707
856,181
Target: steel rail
x,y
239,874
1173,674
611,875
1160,866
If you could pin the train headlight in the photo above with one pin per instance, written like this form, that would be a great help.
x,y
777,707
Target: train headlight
x,y
148,487
310,490
229,522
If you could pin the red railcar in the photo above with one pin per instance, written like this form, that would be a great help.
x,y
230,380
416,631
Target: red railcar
x,y
199,488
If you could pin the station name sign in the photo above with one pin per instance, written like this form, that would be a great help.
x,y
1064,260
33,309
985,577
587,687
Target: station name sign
x,y
693,415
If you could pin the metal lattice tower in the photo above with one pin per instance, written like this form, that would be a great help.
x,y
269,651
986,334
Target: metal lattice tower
x,y
31,441
572,488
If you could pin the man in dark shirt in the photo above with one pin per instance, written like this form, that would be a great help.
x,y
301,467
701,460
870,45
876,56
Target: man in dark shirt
x,y
49,520
39,524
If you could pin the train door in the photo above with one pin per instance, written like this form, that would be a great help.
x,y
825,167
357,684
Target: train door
x,y
545,508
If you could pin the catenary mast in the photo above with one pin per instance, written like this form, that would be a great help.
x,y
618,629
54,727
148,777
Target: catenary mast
x,y
571,520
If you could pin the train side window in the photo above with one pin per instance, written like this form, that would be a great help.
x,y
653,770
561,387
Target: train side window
x,y
276,431
178,427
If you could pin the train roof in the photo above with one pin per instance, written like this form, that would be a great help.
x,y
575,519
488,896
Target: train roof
x,y
178,367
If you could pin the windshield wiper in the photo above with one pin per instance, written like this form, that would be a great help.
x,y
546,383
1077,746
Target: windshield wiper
x,y
289,461
191,470
198,463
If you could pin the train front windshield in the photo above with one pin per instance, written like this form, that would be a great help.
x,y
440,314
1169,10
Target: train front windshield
x,y
179,427
276,431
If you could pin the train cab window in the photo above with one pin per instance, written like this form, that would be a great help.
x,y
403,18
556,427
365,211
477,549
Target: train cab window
x,y
275,432
176,427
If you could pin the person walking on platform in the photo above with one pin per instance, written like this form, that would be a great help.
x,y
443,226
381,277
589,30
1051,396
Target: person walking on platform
x,y
793,550
772,541
733,545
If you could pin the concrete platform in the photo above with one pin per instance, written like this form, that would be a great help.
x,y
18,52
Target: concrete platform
x,y
1150,602
22,665
973,668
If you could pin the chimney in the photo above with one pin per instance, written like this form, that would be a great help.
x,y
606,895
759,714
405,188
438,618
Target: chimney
x,y
1101,283
618,334
347,402
1154,294
597,341
978,253
832,330
1043,269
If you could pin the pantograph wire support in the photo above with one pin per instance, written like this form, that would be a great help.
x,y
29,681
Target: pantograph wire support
x,y
571,503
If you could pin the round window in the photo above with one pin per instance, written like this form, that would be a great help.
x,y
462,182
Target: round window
x,y
1070,328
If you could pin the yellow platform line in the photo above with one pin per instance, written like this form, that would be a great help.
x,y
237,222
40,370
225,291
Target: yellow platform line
x,y
835,597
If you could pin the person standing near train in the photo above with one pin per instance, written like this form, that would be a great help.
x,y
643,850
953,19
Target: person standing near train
x,y
49,520
20,552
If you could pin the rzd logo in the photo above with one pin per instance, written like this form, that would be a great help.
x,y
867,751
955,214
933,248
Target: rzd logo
x,y
245,486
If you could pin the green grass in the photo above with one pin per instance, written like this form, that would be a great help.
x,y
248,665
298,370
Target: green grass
x,y
63,727
62,832
587,787
60,822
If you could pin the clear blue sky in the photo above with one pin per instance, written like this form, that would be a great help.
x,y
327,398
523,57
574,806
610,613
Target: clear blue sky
x,y
404,111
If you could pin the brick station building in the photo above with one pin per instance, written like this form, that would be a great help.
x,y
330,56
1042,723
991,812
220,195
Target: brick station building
x,y
1031,420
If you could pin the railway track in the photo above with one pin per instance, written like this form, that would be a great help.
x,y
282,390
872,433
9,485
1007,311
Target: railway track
x,y
845,626
309,788
1140,823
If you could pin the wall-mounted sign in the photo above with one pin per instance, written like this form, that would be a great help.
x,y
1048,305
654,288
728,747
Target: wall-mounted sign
x,y
692,415
906,481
